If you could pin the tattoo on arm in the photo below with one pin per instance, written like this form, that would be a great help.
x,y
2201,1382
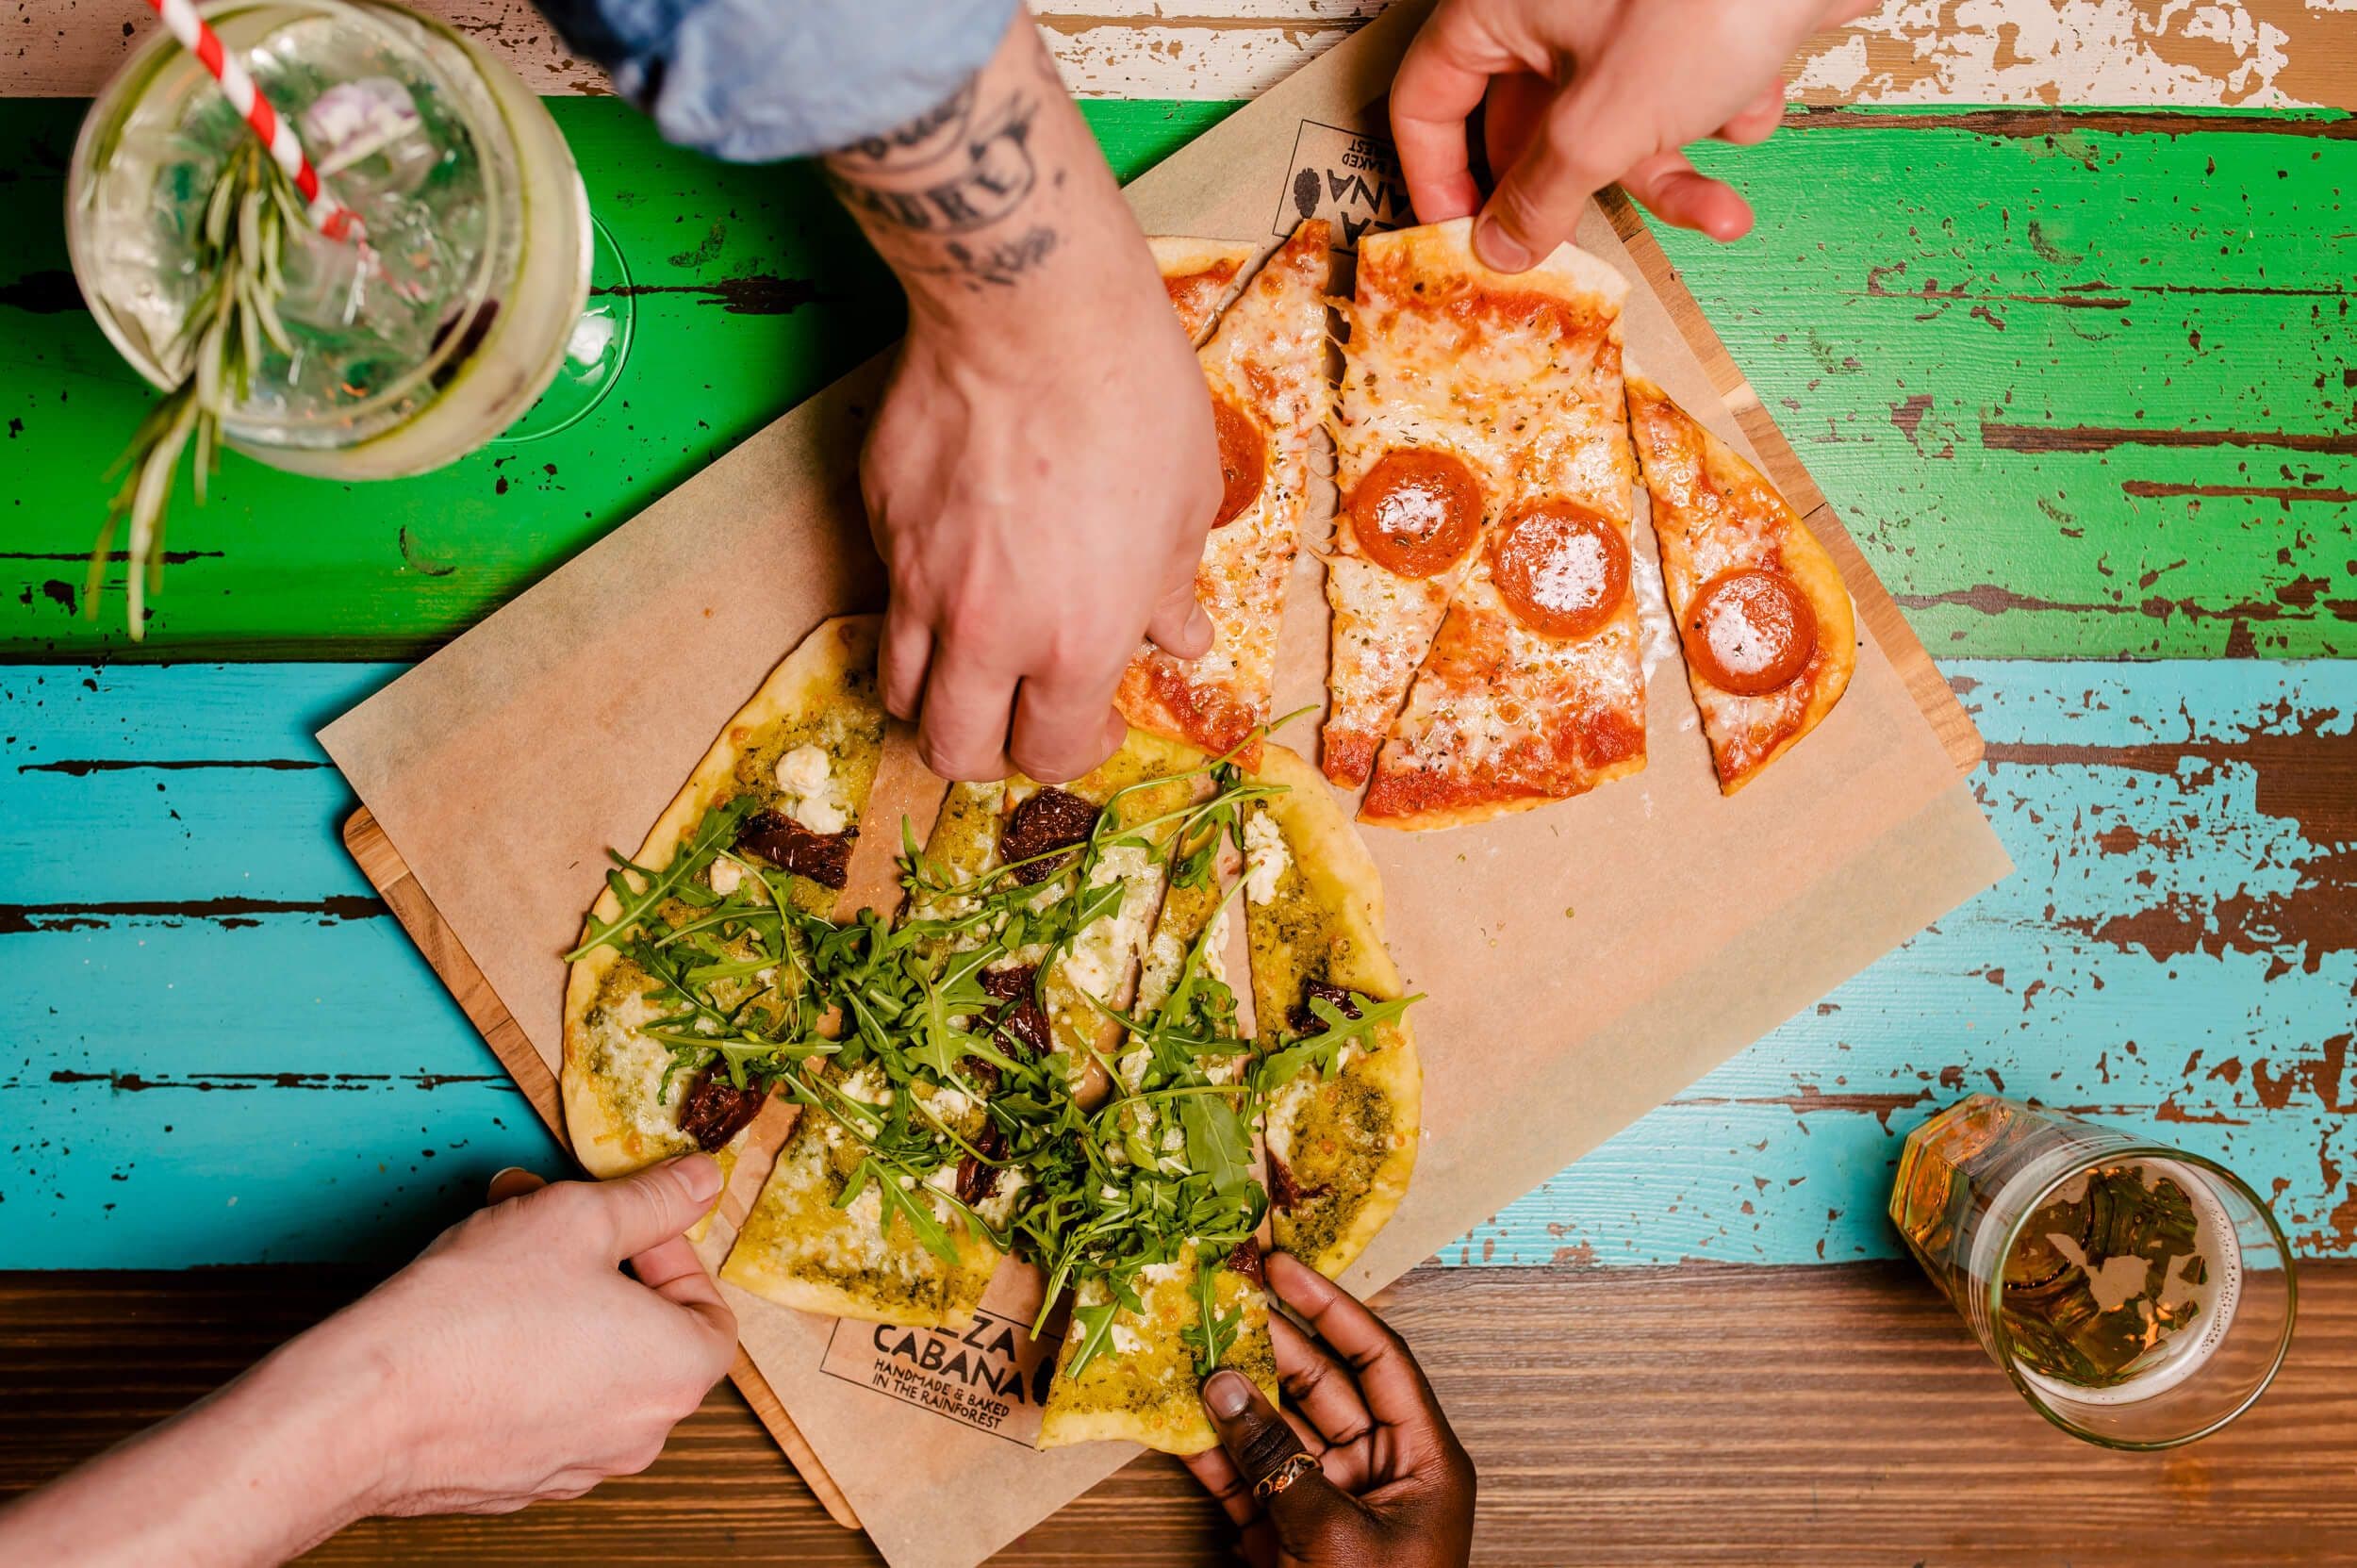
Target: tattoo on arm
x,y
942,191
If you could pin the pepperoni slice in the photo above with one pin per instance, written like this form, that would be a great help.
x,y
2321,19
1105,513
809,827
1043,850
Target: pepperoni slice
x,y
1242,460
716,1110
1416,512
1051,819
1750,632
1561,568
825,858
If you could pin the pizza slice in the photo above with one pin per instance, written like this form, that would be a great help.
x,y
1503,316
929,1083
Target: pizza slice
x,y
802,1246
770,812
1043,836
1336,1057
1199,276
1266,368
1464,391
1769,635
835,1232
1534,687
1133,1361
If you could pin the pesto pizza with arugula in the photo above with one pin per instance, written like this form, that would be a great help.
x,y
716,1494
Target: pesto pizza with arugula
x,y
1039,1056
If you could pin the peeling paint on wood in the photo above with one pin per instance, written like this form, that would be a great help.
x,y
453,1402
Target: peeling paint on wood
x,y
2175,951
2252,53
2078,389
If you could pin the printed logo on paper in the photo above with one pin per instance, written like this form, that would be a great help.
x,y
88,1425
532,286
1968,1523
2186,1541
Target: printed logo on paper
x,y
991,1374
1347,177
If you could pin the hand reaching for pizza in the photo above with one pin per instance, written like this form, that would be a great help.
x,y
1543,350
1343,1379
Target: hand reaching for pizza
x,y
526,1365
1040,504
1043,469
1579,97
1362,1468
511,1362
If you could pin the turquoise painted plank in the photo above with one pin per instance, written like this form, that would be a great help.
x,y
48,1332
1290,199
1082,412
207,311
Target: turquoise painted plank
x,y
209,770
280,1091
2173,952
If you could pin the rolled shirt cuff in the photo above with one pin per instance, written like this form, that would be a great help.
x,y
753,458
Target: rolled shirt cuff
x,y
753,81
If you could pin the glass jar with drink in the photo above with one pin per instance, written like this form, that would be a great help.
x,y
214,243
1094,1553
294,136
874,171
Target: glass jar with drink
x,y
432,336
2139,1296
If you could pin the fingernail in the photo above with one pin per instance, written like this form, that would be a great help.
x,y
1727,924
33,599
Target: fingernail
x,y
503,1173
1499,249
1199,627
703,1174
1227,1395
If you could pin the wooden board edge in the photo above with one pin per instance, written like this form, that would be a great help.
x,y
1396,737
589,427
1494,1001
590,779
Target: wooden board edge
x,y
1925,684
381,863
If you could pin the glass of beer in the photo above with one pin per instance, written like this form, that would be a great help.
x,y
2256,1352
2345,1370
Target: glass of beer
x,y
2138,1296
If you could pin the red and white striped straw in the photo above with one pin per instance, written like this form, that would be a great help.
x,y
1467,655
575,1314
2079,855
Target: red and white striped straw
x,y
328,215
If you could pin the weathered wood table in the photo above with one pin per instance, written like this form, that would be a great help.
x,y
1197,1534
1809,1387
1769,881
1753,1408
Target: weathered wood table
x,y
2084,384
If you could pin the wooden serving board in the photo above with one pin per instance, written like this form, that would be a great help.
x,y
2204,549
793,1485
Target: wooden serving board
x,y
389,875
381,863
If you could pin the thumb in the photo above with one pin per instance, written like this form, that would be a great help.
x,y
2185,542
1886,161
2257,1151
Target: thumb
x,y
1307,1508
1179,627
649,1207
1576,151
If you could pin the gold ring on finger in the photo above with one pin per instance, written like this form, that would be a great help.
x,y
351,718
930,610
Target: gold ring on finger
x,y
1283,1475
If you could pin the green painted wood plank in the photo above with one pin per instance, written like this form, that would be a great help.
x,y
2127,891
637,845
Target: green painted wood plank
x,y
2178,950
751,289
2116,423
2079,389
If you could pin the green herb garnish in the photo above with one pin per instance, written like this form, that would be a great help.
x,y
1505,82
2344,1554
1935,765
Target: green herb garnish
x,y
241,253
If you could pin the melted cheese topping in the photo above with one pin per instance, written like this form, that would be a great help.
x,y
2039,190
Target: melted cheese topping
x,y
1713,513
629,1066
805,776
1266,857
1520,401
1268,357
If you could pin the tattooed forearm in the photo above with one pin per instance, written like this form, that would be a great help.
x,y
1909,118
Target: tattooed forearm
x,y
922,140
980,172
999,187
997,265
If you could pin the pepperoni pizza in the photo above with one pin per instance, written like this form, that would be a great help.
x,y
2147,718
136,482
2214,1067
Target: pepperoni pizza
x,y
1266,367
1481,565
1769,635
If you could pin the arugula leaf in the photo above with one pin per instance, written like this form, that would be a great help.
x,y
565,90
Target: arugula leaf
x,y
1213,1331
1218,1144
1323,1050
637,905
1093,1329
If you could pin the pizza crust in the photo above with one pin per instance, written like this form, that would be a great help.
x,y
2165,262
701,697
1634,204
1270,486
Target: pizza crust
x,y
1201,275
1335,876
606,1142
1749,523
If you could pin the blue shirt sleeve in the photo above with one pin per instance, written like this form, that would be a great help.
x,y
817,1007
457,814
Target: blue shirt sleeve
x,y
756,80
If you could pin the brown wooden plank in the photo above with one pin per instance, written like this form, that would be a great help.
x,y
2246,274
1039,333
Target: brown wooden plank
x,y
389,875
1701,1414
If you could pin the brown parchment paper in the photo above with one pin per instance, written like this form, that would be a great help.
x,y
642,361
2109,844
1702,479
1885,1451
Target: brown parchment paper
x,y
1583,962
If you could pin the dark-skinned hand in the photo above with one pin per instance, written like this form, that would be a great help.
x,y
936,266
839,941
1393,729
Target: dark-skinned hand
x,y
1391,1485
